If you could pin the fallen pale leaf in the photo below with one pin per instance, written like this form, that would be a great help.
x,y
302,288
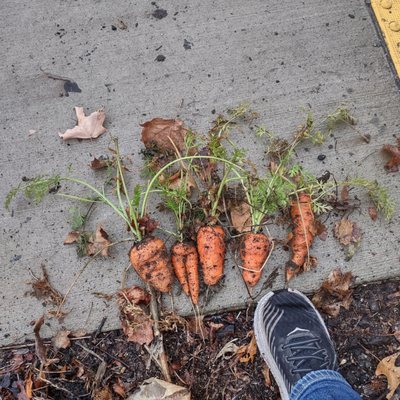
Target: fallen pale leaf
x,y
349,234
228,351
88,127
387,367
157,389
334,293
61,340
164,135
344,231
241,217
119,388
32,132
180,180
98,243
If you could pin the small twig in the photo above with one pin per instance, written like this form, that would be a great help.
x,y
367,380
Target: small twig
x,y
99,328
90,352
25,345
56,386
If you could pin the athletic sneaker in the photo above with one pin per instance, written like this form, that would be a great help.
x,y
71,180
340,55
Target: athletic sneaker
x,y
292,338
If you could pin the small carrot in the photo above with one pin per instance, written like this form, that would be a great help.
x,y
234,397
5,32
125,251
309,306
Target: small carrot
x,y
150,260
254,250
211,249
303,233
185,261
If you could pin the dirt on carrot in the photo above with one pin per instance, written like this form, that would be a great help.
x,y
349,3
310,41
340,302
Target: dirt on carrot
x,y
211,248
185,261
254,250
150,260
302,235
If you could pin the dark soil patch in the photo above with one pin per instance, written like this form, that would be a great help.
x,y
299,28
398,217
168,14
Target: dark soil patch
x,y
363,335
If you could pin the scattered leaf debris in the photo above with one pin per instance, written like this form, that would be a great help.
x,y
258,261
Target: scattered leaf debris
x,y
349,235
136,323
88,127
334,293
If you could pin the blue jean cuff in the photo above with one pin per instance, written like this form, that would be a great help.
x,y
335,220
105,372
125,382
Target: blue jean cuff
x,y
313,378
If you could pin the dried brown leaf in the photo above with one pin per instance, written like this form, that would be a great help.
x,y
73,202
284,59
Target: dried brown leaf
x,y
267,376
89,127
344,231
43,290
147,225
98,243
387,367
394,151
164,135
320,230
248,352
72,237
100,163
373,213
344,194
241,217
61,340
135,322
334,293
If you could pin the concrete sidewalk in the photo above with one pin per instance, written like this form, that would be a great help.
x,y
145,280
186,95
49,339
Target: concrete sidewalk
x,y
280,56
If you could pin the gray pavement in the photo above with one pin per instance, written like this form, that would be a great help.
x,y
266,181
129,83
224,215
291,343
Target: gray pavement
x,y
280,56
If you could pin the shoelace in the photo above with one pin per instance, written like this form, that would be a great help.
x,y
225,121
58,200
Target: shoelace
x,y
303,351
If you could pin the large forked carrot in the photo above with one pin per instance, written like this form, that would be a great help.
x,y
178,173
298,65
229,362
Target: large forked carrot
x,y
303,233
254,250
185,261
150,260
211,249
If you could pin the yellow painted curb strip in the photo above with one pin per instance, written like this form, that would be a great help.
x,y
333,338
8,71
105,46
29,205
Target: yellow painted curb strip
x,y
387,13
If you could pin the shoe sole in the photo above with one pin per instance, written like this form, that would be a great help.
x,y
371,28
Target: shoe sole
x,y
262,342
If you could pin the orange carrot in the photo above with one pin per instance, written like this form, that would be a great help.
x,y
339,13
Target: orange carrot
x,y
185,261
254,250
303,234
211,248
150,260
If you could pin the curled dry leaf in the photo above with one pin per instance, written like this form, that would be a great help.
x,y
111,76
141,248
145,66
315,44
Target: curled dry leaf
x,y
164,135
147,225
136,324
388,367
89,127
334,293
157,389
98,243
241,217
394,151
72,237
61,340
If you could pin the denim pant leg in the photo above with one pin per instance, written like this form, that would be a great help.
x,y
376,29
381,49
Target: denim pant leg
x,y
324,384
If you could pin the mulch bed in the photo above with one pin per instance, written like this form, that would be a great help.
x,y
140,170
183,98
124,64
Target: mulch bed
x,y
107,366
